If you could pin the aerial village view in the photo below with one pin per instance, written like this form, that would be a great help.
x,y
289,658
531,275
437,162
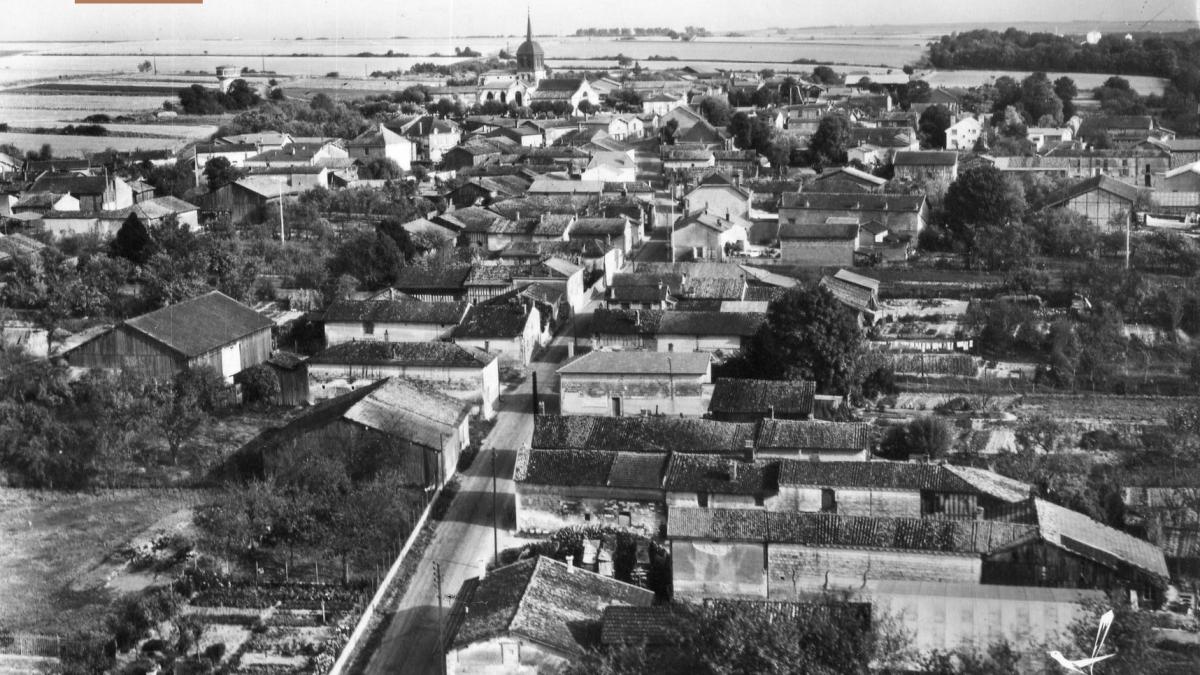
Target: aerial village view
x,y
488,337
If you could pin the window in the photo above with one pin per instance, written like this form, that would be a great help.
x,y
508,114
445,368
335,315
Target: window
x,y
368,328
702,499
828,501
758,500
624,518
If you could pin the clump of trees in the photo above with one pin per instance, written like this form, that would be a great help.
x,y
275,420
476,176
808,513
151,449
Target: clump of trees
x,y
199,100
927,436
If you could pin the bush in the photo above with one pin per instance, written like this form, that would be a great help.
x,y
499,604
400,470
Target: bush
x,y
260,384
930,436
154,645
215,652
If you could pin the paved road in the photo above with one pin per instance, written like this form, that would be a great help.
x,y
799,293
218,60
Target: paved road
x,y
462,542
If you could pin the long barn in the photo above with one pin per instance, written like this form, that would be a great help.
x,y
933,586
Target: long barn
x,y
212,330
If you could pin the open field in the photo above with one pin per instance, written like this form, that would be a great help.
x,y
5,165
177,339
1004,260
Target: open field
x,y
76,146
60,551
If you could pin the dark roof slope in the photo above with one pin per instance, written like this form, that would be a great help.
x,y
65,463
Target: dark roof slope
x,y
396,311
785,397
720,475
493,321
789,434
856,201
200,325
545,601
1104,183
374,352
640,434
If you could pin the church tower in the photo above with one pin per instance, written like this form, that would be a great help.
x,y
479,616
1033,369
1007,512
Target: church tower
x,y
531,60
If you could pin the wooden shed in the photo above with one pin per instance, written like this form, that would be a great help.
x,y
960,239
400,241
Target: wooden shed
x,y
212,330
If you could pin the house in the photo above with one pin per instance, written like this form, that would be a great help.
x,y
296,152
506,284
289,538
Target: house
x,y
887,140
704,235
557,488
298,154
483,190
42,203
744,400
1136,166
858,293
571,91
618,233
611,167
964,134
685,159
1047,137
619,383
416,430
1106,202
211,330
948,98
719,194
537,615
845,179
928,164
433,137
693,128
663,103
235,153
904,215
511,331
1185,178
95,193
1117,131
475,152
833,242
383,143
1180,151
825,441
427,235
392,320
456,371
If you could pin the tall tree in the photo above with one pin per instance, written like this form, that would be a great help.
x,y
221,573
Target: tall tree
x,y
808,335
982,196
133,241
218,172
934,122
829,143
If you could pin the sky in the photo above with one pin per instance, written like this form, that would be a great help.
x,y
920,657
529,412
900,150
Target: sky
x,y
26,20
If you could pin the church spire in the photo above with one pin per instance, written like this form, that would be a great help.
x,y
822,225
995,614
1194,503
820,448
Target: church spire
x,y
528,25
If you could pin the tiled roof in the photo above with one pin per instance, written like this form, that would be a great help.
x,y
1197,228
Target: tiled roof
x,y
624,625
493,321
396,311
639,363
855,296
374,352
835,201
1103,183
721,475
443,277
544,601
595,468
559,84
785,397
743,324
640,434
925,158
991,484
851,173
875,474
70,183
720,288
971,537
591,228
818,231
789,434
200,325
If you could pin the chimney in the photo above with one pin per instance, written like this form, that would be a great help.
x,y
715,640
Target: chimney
x,y
771,410
749,453
732,464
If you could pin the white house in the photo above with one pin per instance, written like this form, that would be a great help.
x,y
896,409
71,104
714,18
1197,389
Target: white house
x,y
385,143
401,320
963,134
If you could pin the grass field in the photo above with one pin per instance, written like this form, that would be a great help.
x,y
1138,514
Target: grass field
x,y
58,553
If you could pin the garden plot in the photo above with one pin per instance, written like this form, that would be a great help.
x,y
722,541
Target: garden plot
x,y
933,307
77,146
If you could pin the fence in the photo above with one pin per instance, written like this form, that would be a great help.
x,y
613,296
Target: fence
x,y
362,630
30,644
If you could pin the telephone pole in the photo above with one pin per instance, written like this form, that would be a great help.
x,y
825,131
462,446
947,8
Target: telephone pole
x,y
437,577
495,515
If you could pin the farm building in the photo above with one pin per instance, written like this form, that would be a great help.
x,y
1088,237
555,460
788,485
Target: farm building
x,y
536,615
831,243
400,423
212,330
1106,202
292,372
858,293
620,383
639,434
460,372
826,441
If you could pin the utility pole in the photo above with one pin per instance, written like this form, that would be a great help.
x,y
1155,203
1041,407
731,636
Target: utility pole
x,y
282,236
437,577
535,394
495,515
